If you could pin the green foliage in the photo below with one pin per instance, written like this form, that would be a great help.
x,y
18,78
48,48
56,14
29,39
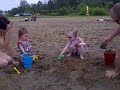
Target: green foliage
x,y
82,11
71,10
63,11
65,7
54,14
98,11
108,5
80,6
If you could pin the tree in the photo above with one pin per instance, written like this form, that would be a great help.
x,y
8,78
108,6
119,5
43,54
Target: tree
x,y
63,7
61,3
72,3
39,5
34,7
24,5
50,5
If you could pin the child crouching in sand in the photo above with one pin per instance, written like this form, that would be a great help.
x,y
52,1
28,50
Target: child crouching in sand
x,y
75,44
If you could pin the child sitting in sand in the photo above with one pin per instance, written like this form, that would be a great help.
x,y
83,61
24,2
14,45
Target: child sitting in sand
x,y
75,45
23,43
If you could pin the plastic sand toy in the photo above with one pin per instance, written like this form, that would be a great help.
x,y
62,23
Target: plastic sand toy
x,y
27,60
61,57
109,57
17,71
36,57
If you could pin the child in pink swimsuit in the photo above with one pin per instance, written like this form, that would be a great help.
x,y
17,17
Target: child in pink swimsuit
x,y
75,45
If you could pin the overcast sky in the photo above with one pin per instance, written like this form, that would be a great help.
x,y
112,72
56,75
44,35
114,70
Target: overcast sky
x,y
9,4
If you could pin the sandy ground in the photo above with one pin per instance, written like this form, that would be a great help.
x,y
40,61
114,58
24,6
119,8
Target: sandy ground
x,y
71,73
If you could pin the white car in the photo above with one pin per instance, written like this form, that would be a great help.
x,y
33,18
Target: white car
x,y
17,15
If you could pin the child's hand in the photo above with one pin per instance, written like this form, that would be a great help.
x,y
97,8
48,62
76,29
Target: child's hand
x,y
15,63
105,42
111,73
60,54
103,46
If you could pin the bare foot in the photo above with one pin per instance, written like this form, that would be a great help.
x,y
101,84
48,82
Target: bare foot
x,y
111,73
69,55
81,57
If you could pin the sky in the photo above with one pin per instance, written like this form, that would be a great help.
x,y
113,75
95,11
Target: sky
x,y
9,4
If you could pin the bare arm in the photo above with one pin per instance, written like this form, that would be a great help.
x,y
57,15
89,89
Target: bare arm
x,y
9,25
66,47
1,43
81,41
117,67
22,49
8,42
109,39
115,33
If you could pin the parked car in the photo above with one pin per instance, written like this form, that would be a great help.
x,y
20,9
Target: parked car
x,y
25,14
17,15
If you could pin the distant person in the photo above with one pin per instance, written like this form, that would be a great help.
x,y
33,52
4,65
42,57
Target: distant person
x,y
115,14
34,17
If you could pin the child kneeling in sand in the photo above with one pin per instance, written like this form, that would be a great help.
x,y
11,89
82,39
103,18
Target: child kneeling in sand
x,y
75,44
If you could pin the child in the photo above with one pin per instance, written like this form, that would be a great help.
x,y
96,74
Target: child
x,y
23,43
75,45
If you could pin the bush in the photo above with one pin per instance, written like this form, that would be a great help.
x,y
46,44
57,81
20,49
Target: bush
x,y
98,11
71,10
79,7
54,14
72,14
82,11
63,11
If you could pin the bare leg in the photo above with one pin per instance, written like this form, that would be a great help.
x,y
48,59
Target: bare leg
x,y
114,72
3,62
71,50
80,51
6,57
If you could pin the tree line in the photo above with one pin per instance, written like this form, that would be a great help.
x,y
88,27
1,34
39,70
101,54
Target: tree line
x,y
65,7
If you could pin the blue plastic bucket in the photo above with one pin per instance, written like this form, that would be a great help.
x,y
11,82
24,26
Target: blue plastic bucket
x,y
27,60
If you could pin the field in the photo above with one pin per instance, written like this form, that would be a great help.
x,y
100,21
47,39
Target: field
x,y
48,37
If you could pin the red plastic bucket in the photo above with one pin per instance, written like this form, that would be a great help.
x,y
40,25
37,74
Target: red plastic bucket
x,y
109,57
